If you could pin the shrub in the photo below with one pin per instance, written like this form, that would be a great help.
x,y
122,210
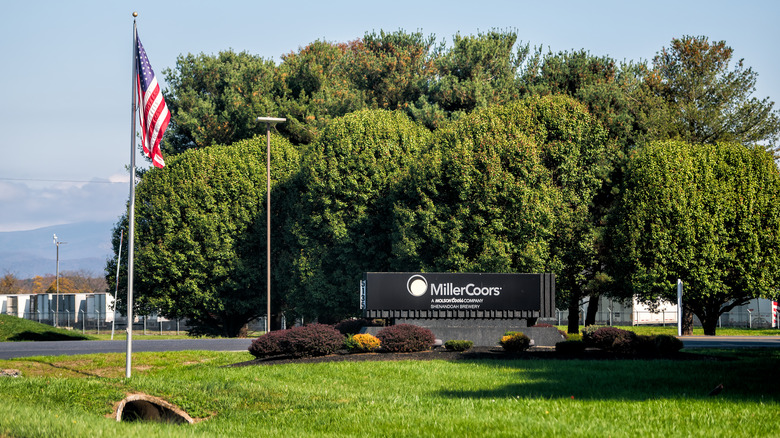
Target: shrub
x,y
570,347
611,338
362,342
515,341
587,335
312,340
574,337
624,342
267,345
645,345
456,345
667,344
352,326
405,338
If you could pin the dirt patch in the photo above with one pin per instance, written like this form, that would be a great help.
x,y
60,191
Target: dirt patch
x,y
475,353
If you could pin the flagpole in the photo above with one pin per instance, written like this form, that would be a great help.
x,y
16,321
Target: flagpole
x,y
131,212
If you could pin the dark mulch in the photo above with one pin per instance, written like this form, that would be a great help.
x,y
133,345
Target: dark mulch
x,y
475,353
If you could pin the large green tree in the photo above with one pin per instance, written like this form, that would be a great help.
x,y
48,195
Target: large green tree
x,y
510,189
316,89
343,224
392,69
476,72
706,214
200,235
708,101
215,99
615,93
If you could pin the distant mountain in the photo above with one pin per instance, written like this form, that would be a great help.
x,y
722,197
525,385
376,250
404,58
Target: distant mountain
x,y
29,253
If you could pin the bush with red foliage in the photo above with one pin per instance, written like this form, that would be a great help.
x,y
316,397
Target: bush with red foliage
x,y
405,338
609,338
267,345
303,341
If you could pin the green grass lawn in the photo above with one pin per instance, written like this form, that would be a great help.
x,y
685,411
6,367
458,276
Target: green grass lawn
x,y
71,396
18,329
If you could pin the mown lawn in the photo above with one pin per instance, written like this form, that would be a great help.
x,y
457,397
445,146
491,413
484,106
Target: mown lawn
x,y
71,396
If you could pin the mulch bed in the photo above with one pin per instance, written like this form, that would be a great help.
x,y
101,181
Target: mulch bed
x,y
475,353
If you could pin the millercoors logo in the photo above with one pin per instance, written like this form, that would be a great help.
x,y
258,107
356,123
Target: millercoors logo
x,y
417,285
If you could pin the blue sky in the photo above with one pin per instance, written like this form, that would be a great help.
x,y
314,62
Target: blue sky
x,y
65,109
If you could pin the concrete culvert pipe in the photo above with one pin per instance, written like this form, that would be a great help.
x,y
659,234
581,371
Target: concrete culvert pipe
x,y
143,407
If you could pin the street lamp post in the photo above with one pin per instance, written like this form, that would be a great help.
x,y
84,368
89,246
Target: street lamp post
x,y
268,122
57,294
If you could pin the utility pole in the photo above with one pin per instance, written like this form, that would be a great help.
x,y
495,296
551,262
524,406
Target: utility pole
x,y
57,294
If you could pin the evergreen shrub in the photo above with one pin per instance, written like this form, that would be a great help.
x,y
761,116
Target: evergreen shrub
x,y
457,345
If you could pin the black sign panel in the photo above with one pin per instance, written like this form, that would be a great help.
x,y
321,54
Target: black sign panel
x,y
448,291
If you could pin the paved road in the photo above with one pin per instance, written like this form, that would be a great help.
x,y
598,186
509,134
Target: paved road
x,y
11,350
731,341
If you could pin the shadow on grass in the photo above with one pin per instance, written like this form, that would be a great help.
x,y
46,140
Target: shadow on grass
x,y
751,377
46,336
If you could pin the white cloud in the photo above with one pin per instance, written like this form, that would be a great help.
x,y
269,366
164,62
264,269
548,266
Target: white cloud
x,y
28,208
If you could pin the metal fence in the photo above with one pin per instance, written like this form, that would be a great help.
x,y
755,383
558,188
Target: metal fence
x,y
100,322
736,319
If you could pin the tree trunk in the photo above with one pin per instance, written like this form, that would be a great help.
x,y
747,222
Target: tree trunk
x,y
687,321
276,321
574,314
709,323
593,308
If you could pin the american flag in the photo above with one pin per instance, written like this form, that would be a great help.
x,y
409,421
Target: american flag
x,y
152,110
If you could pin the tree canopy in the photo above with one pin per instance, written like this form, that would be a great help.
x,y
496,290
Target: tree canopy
x,y
708,102
198,222
479,155
706,214
343,223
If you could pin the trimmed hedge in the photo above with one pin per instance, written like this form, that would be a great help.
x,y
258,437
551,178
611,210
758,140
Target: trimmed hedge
x,y
627,342
609,338
457,345
267,345
405,338
304,341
